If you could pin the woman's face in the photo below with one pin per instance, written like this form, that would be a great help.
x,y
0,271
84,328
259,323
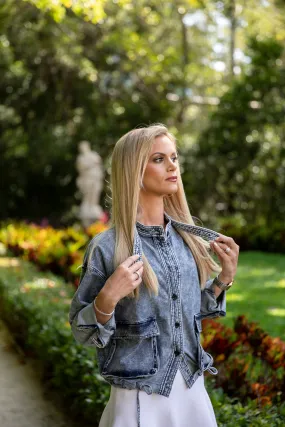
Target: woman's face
x,y
162,164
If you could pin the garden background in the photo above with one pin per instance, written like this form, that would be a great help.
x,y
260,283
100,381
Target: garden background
x,y
214,73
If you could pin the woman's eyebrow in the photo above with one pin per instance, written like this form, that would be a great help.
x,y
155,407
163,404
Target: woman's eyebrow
x,y
174,152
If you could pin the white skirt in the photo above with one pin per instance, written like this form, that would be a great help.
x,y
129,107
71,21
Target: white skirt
x,y
185,407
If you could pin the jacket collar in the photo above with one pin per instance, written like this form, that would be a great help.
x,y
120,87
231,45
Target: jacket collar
x,y
154,230
158,230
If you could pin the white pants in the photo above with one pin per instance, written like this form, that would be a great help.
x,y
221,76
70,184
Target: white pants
x,y
185,407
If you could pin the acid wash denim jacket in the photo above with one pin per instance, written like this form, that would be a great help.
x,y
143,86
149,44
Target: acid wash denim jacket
x,y
147,340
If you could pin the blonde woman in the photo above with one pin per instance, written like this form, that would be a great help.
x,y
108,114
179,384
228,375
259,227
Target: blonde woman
x,y
145,287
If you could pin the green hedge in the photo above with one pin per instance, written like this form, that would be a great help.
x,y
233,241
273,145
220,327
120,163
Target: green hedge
x,y
257,235
35,306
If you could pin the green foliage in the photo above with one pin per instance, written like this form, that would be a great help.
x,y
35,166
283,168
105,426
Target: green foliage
x,y
229,412
254,236
40,305
238,163
92,11
71,80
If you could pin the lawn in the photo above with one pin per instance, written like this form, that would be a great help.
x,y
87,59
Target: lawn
x,y
259,291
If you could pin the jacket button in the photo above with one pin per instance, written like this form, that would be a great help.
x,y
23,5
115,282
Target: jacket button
x,y
177,352
174,296
177,324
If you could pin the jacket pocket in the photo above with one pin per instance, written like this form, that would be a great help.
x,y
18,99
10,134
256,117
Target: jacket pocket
x,y
134,351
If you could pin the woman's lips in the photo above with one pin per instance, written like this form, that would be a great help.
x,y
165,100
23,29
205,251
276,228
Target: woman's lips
x,y
172,179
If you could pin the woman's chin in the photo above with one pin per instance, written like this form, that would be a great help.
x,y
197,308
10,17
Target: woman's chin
x,y
171,191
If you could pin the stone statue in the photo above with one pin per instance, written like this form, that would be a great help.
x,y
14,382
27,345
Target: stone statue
x,y
90,183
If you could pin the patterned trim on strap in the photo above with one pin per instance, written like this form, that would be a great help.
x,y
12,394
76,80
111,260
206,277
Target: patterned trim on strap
x,y
203,232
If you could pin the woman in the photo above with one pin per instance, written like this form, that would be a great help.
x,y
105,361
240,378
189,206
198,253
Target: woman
x,y
146,286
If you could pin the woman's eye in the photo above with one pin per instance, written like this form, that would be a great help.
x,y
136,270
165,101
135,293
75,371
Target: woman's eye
x,y
161,158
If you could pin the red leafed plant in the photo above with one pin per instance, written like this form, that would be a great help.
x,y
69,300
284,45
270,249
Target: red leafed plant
x,y
263,345
251,363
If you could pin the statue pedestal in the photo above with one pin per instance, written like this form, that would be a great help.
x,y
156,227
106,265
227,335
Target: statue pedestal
x,y
89,214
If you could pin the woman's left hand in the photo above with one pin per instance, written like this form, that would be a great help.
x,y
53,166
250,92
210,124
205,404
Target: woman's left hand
x,y
228,260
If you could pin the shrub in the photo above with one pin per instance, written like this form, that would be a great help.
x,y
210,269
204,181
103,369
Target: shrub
x,y
35,308
251,364
254,236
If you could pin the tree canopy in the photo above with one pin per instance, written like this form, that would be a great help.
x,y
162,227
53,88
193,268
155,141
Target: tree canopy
x,y
74,70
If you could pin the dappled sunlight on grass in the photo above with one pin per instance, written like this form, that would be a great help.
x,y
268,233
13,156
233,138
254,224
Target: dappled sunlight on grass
x,y
235,297
257,272
281,283
258,291
276,311
273,284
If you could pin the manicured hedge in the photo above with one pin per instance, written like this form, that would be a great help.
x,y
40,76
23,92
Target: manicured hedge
x,y
35,306
256,235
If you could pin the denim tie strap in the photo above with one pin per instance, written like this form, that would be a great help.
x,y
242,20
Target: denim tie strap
x,y
209,366
138,408
203,232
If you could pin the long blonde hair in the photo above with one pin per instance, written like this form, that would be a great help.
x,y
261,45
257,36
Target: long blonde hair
x,y
129,160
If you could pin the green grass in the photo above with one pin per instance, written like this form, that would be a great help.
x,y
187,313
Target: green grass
x,y
259,291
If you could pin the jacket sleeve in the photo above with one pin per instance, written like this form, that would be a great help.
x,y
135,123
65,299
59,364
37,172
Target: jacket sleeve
x,y
212,306
82,317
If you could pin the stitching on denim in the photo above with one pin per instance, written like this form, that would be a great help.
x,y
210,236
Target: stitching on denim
x,y
178,281
96,271
170,288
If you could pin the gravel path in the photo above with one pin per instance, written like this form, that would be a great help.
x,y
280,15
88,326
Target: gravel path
x,y
23,402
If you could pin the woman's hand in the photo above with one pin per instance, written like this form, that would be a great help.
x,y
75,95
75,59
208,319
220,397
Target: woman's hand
x,y
123,281
228,260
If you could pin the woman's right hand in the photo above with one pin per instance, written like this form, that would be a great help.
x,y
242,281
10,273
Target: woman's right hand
x,y
122,282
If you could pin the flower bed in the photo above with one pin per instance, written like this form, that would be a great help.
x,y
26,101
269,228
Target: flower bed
x,y
58,251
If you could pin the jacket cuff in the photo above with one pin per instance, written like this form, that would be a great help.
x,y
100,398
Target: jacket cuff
x,y
87,322
212,306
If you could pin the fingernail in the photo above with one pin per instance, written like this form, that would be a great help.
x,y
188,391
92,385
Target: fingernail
x,y
216,244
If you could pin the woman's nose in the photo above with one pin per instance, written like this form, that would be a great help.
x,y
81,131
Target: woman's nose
x,y
172,165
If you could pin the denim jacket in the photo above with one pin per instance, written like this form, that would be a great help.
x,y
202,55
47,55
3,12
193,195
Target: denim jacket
x,y
147,340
